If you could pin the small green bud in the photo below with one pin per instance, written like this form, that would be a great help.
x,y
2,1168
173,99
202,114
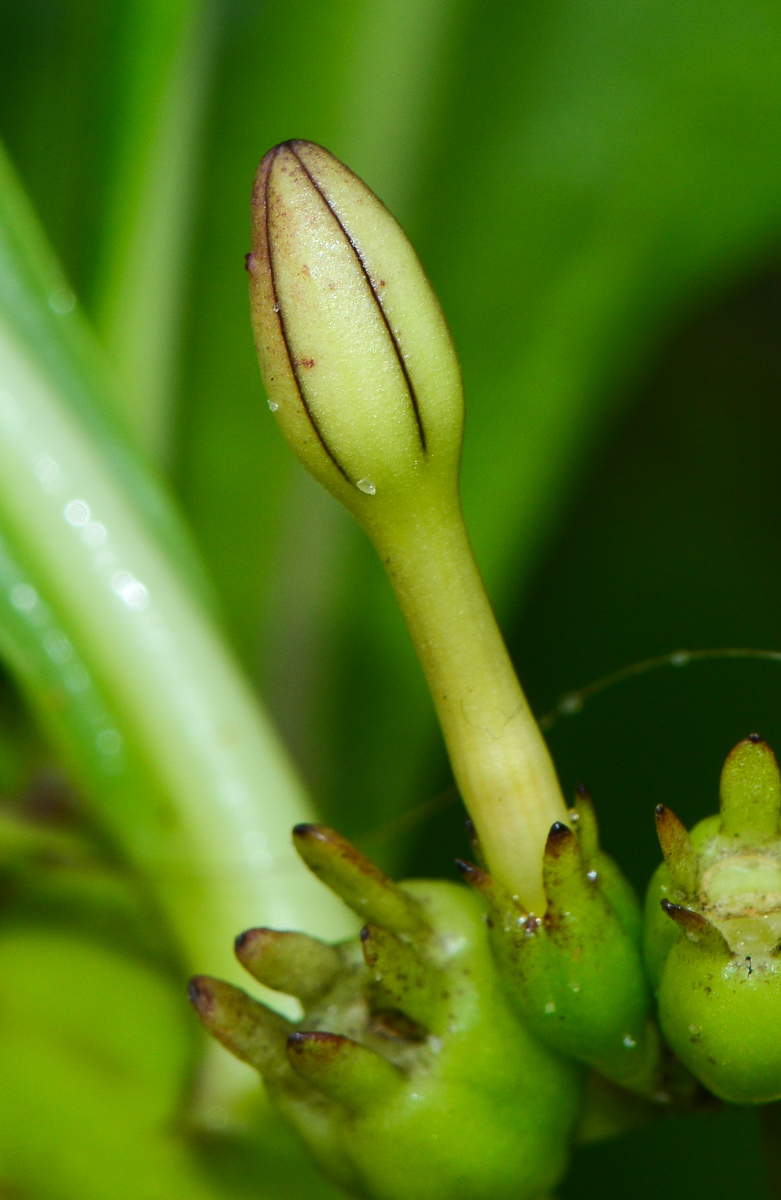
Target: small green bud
x,y
356,356
289,962
576,973
356,880
410,1076
713,930
362,377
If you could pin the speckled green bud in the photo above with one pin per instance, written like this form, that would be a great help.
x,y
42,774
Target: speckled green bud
x,y
712,933
576,973
410,1076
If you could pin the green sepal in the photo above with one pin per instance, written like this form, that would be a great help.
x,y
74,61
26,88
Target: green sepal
x,y
356,880
342,1069
288,962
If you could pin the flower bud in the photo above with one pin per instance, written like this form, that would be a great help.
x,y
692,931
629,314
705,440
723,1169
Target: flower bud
x,y
713,933
364,382
357,360
576,975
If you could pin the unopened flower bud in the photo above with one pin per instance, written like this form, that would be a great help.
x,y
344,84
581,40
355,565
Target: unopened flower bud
x,y
355,353
361,374
713,932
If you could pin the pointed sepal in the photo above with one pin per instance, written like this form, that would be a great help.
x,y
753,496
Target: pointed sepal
x,y
287,962
353,877
678,851
247,1028
698,929
750,792
402,974
344,1070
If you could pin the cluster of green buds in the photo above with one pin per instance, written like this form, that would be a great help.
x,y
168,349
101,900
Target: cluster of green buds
x,y
453,1050
409,1076
713,932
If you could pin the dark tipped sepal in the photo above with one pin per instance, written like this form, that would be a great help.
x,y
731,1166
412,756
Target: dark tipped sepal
x,y
698,929
353,877
248,1029
678,851
289,962
345,1070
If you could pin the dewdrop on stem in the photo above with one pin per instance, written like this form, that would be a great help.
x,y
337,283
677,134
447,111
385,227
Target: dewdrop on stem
x,y
364,382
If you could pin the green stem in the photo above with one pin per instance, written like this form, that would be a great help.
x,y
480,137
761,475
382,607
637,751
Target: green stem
x,y
500,760
202,797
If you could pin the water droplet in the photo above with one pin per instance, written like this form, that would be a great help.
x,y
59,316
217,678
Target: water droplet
x,y
129,589
62,301
273,405
629,1041
275,308
679,659
694,1029
574,987
366,485
571,704
592,875
77,512
108,741
24,597
94,534
550,1007
58,647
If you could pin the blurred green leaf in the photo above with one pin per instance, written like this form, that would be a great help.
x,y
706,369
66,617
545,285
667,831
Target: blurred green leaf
x,y
94,1051
162,85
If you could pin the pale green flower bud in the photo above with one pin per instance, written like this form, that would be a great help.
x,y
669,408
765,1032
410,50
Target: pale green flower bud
x,y
363,379
355,353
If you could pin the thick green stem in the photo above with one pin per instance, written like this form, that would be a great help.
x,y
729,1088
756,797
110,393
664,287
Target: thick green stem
x,y
208,813
500,760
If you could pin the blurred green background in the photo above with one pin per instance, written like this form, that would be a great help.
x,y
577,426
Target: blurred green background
x,y
595,190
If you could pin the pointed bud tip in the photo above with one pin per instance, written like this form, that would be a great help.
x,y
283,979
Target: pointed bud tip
x,y
251,940
200,994
308,831
473,874
560,839
242,940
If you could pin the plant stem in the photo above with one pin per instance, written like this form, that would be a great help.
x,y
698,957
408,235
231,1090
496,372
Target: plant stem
x,y
500,760
207,797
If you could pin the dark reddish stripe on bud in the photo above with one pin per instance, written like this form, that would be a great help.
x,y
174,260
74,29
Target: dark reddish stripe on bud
x,y
377,298
277,308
